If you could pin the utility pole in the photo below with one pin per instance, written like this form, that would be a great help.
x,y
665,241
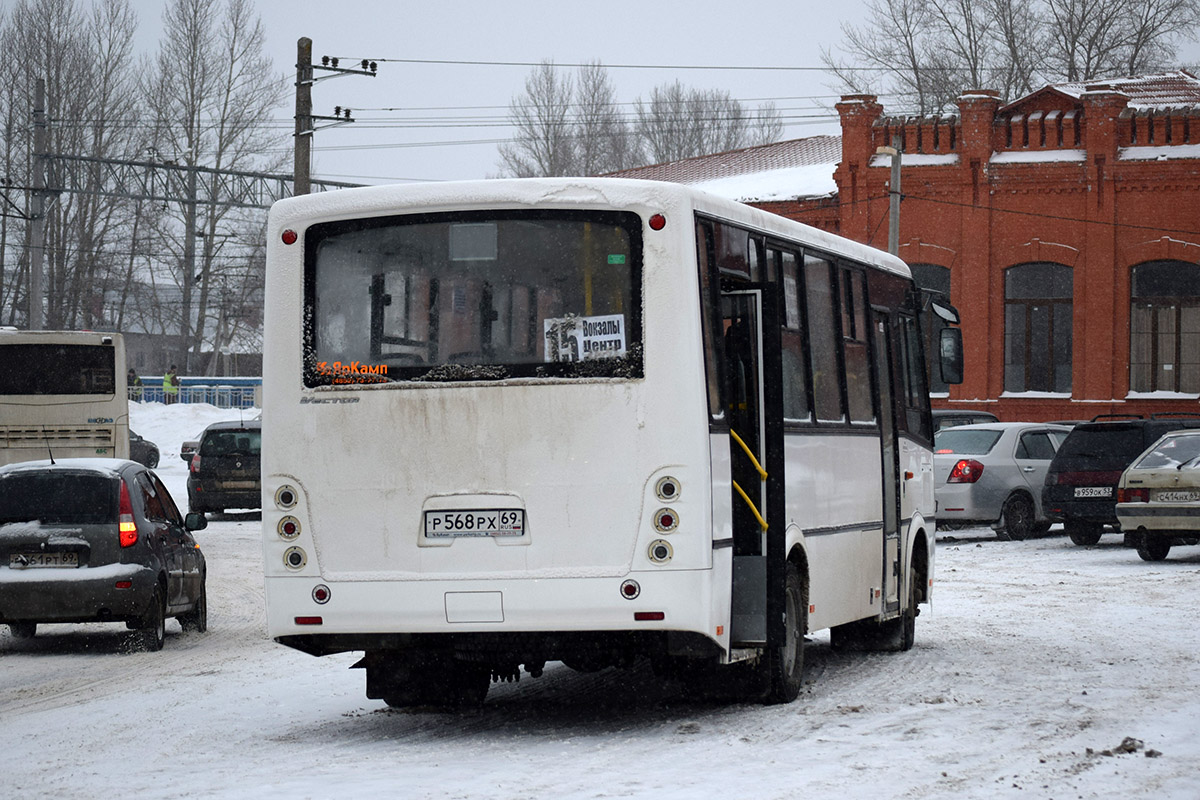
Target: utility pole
x,y
37,212
303,153
305,119
895,152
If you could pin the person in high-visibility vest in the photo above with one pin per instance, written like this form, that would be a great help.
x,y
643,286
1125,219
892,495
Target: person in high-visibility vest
x,y
171,386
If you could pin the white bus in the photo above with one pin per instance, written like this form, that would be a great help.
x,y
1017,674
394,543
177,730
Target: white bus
x,y
588,421
62,395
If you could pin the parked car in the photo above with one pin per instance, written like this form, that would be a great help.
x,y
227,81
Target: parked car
x,y
97,540
142,450
1159,495
226,469
953,417
992,473
1081,485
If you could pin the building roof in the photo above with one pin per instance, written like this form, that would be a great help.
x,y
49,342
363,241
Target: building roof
x,y
786,170
1165,90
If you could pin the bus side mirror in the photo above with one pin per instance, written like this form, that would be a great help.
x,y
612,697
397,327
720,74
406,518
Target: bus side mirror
x,y
951,349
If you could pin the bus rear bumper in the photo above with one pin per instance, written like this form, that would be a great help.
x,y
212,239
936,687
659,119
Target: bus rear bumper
x,y
672,607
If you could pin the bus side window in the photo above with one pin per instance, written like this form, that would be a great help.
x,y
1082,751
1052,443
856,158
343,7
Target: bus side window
x,y
916,420
823,345
796,406
852,287
709,307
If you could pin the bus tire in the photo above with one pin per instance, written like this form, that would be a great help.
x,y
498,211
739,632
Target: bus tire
x,y
785,664
894,635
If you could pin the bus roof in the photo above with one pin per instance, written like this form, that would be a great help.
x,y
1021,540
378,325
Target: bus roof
x,y
565,193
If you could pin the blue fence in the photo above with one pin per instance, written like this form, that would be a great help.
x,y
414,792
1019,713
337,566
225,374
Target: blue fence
x,y
220,392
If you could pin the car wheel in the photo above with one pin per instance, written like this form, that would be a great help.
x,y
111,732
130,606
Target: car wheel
x,y
197,619
151,631
1084,534
785,664
1017,519
1154,548
152,460
23,630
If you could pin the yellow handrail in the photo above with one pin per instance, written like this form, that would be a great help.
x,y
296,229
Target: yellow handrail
x,y
762,473
750,503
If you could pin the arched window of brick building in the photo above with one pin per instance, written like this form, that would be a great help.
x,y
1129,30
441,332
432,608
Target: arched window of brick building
x,y
936,279
1164,327
1037,328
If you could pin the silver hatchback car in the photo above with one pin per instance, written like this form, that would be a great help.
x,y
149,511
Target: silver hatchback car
x,y
992,473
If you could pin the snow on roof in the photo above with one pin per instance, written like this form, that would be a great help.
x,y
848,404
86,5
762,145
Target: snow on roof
x,y
1179,88
779,171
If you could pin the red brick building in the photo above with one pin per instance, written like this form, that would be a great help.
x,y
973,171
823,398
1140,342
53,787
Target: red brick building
x,y
1065,227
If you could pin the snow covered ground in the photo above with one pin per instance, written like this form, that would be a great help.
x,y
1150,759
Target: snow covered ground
x,y
1036,662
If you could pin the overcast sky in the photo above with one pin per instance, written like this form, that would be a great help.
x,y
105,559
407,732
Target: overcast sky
x,y
441,121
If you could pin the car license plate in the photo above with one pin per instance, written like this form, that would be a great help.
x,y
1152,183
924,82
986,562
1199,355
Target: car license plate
x,y
38,560
239,485
1093,491
1177,497
481,522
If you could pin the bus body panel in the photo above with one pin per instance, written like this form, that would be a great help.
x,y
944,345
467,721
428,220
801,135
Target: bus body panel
x,y
581,457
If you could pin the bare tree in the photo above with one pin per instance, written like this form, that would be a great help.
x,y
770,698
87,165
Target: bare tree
x,y
210,89
82,55
679,122
926,52
542,145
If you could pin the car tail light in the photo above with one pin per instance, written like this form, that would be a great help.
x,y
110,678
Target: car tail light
x,y
125,524
195,463
1133,495
967,470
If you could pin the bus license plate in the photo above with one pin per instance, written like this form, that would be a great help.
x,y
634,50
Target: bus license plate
x,y
483,522
37,560
1093,491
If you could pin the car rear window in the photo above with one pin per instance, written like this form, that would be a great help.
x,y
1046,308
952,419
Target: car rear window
x,y
1115,442
965,442
225,443
1173,451
59,498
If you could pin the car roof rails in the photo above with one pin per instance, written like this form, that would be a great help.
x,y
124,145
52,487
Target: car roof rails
x,y
1102,417
1175,415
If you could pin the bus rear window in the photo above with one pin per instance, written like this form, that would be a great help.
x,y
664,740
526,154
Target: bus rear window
x,y
59,498
473,296
34,369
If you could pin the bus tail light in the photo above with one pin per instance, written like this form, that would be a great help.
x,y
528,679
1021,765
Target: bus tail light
x,y
294,558
967,470
630,590
127,528
1133,495
660,551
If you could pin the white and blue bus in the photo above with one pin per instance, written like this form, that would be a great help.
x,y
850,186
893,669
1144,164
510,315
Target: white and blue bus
x,y
589,421
62,395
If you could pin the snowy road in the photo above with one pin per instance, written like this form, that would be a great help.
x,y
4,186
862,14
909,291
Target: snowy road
x,y
1036,658
1034,653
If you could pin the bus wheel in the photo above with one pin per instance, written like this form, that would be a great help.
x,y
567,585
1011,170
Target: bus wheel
x,y
895,635
785,664
1154,548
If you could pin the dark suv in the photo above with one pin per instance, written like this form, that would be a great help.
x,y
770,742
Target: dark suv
x,y
1081,485
226,469
97,540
